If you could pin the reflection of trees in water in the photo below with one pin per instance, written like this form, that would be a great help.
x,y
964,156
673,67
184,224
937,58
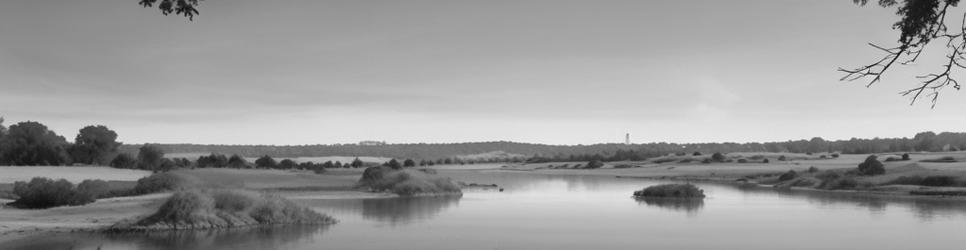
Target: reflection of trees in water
x,y
926,208
406,210
690,206
268,237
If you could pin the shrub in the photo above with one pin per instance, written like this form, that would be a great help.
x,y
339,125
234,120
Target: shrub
x,y
905,157
161,182
95,188
662,160
197,209
791,174
871,166
812,169
680,153
892,158
124,160
843,182
823,157
742,161
594,164
696,153
45,193
686,160
406,182
718,157
782,158
939,181
671,191
706,161
623,166
907,180
835,155
765,160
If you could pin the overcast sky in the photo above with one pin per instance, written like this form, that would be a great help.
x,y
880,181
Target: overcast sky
x,y
553,71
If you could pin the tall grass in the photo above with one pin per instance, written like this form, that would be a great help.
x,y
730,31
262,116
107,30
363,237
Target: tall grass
x,y
206,209
406,182
687,190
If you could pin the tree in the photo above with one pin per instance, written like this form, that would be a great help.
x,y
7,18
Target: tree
x,y
94,145
394,164
409,163
3,130
149,157
265,162
287,164
871,166
31,143
357,163
920,22
237,161
188,8
124,160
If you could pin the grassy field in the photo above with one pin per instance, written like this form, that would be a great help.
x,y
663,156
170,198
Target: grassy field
x,y
72,174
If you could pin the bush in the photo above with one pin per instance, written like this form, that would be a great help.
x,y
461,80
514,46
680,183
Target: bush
x,y
842,182
95,188
197,209
782,158
791,174
662,160
835,155
45,193
406,182
812,169
671,191
765,160
718,157
871,166
161,182
892,158
696,153
594,164
706,161
742,161
124,160
907,180
905,157
939,181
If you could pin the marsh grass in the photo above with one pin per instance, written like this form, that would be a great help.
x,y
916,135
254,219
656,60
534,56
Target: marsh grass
x,y
222,208
686,190
406,182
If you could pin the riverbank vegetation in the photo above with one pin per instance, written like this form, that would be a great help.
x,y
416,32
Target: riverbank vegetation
x,y
674,190
406,182
209,209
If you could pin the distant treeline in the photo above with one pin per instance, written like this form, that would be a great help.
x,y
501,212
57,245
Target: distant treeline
x,y
31,143
925,141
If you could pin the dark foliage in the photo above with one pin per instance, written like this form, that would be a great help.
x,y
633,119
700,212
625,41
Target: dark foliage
x,y
188,8
287,164
45,193
94,145
31,144
394,164
791,174
871,166
150,157
236,161
718,157
812,169
124,160
594,164
409,163
671,191
265,162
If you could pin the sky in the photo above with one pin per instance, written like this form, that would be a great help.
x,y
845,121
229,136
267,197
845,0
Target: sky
x,y
403,71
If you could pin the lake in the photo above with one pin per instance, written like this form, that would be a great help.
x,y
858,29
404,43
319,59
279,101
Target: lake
x,y
583,212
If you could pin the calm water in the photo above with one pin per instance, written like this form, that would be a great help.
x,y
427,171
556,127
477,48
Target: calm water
x,y
563,212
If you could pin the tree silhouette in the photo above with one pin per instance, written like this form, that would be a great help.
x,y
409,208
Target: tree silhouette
x,y
188,8
94,145
31,143
149,157
920,22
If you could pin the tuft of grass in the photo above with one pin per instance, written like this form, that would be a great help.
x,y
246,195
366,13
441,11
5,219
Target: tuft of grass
x,y
406,182
687,190
220,208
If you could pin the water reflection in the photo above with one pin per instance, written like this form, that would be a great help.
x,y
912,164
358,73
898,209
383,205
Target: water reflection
x,y
925,208
237,238
406,210
689,206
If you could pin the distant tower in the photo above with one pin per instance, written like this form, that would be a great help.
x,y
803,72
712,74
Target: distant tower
x,y
627,139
